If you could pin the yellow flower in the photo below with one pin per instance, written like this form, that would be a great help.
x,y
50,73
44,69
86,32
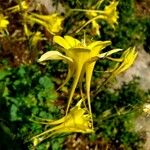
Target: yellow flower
x,y
34,38
127,59
22,6
77,120
51,22
3,23
81,58
109,14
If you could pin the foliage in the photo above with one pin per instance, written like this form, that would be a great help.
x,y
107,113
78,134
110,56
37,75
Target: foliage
x,y
26,92
22,99
116,112
131,30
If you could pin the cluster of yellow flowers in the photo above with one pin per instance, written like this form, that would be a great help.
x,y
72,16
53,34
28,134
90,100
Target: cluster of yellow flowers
x,y
109,14
81,58
51,22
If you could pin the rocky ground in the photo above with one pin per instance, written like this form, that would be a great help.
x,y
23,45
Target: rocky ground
x,y
141,68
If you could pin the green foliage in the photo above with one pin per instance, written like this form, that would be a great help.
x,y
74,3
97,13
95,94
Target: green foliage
x,y
25,93
131,29
116,112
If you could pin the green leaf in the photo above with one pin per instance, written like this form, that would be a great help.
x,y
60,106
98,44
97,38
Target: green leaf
x,y
3,74
46,82
14,113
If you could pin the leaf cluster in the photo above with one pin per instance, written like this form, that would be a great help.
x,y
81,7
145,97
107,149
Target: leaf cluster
x,y
26,93
116,112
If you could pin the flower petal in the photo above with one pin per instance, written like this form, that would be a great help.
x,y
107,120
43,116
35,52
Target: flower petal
x,y
71,70
128,58
109,53
74,85
97,46
61,41
77,120
96,43
54,55
72,41
111,13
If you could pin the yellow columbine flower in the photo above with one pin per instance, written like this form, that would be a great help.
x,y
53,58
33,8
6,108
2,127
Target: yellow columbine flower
x,y
109,14
3,23
77,120
81,58
127,59
20,7
51,22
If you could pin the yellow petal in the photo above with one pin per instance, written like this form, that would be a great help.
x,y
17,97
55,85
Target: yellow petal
x,y
26,30
103,55
61,41
128,57
3,21
111,13
36,38
71,71
97,46
72,41
54,55
74,85
56,26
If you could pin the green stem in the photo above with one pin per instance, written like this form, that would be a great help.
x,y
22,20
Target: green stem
x,y
88,10
97,17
